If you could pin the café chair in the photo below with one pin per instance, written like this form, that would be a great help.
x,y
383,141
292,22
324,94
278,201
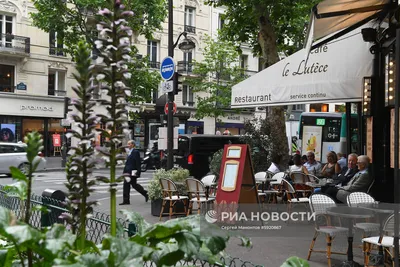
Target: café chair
x,y
385,241
353,200
276,185
292,195
319,203
210,182
299,180
171,195
197,193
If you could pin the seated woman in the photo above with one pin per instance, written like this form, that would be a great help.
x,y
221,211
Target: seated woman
x,y
297,165
331,168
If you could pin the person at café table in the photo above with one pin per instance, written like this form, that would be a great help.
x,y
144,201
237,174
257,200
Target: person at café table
x,y
359,183
297,165
343,178
332,167
312,166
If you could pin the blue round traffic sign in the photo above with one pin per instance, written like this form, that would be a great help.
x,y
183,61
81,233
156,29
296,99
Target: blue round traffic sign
x,y
167,68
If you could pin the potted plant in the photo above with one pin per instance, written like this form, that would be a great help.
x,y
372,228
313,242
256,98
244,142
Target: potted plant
x,y
178,175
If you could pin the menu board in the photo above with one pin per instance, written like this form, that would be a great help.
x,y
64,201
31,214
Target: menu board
x,y
230,176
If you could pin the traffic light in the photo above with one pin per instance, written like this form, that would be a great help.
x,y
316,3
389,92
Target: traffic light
x,y
67,103
177,83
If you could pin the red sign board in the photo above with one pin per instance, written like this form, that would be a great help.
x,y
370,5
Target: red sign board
x,y
166,108
236,184
56,140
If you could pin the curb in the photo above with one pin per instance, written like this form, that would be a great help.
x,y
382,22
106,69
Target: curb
x,y
57,169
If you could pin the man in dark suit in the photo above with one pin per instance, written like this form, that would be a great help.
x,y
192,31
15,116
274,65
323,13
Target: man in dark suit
x,y
360,181
132,172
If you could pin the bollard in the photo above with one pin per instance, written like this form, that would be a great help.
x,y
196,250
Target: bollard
x,y
132,230
49,195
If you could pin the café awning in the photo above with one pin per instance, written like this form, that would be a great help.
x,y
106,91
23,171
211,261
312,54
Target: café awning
x,y
333,73
334,18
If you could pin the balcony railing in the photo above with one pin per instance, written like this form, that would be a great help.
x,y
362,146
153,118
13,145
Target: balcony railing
x,y
51,91
154,65
188,103
15,43
56,51
185,67
6,88
190,29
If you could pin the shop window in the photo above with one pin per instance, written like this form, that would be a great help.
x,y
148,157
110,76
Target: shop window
x,y
10,124
319,107
56,83
221,21
7,78
56,43
187,96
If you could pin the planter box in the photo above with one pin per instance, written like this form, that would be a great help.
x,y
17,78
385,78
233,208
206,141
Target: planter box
x,y
156,206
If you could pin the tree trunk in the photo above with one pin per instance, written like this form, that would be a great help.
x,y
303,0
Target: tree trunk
x,y
276,115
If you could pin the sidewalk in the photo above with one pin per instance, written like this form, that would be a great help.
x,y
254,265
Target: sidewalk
x,y
54,164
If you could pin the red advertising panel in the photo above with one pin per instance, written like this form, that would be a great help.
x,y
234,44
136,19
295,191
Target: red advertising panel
x,y
236,184
56,140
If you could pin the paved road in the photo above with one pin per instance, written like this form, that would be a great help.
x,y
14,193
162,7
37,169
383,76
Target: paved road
x,y
268,250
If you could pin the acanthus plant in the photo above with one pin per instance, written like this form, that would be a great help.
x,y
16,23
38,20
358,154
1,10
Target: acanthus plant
x,y
112,70
80,178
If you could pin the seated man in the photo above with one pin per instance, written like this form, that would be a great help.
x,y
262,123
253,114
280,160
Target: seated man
x,y
313,166
343,178
359,183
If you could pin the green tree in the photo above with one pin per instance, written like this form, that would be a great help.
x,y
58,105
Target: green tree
x,y
74,19
214,77
270,27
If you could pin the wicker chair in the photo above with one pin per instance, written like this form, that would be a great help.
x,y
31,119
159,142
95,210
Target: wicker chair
x,y
171,195
353,200
197,193
299,180
292,195
209,181
385,241
319,203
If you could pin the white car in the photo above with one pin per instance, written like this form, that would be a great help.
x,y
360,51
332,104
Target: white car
x,y
13,154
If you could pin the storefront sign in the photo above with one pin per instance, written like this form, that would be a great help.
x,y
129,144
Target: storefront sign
x,y
56,140
41,108
234,117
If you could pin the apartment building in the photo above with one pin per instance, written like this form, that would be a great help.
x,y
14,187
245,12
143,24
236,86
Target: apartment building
x,y
197,20
34,76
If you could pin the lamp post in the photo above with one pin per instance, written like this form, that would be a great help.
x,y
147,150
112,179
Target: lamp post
x,y
186,46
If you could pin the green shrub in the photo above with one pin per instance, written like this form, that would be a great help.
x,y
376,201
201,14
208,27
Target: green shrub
x,y
178,175
215,163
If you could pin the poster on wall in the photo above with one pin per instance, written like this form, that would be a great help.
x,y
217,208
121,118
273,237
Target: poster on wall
x,y
56,140
7,132
312,140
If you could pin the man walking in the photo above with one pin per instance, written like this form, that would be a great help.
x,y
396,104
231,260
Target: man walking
x,y
132,172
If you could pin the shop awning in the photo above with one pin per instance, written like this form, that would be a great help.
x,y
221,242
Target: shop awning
x,y
334,18
333,73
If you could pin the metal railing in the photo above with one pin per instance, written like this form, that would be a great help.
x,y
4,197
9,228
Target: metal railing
x,y
185,67
56,51
154,64
15,43
190,29
97,225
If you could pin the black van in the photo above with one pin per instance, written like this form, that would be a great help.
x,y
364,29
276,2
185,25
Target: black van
x,y
195,151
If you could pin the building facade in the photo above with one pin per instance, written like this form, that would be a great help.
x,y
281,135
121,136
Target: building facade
x,y
34,77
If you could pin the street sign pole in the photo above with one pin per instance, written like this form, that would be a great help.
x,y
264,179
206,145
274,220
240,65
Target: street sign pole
x,y
171,96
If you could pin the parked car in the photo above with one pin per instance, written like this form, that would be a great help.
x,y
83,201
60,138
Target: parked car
x,y
14,154
195,151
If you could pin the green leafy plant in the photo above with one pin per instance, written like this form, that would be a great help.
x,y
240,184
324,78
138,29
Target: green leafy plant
x,y
215,163
114,47
295,262
177,175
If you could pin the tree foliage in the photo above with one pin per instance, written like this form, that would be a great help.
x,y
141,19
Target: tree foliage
x,y
75,18
214,76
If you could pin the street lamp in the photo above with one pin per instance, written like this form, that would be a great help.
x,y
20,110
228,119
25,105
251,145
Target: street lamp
x,y
186,46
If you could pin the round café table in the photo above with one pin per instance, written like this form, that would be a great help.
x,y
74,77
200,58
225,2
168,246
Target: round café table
x,y
350,213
